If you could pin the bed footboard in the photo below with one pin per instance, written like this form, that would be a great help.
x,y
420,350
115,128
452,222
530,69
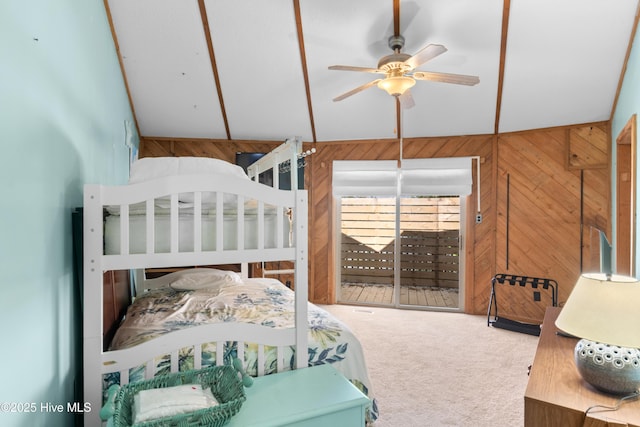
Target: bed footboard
x,y
199,342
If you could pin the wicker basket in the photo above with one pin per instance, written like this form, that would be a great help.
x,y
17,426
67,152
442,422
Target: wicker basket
x,y
223,381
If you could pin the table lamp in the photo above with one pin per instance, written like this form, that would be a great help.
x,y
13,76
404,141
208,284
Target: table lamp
x,y
604,311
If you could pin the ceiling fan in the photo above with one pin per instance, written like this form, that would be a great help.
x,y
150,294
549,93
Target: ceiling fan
x,y
399,70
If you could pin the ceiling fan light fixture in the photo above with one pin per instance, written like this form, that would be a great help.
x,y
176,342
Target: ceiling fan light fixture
x,y
396,86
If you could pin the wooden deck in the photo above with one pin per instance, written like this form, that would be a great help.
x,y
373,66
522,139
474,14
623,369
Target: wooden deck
x,y
409,295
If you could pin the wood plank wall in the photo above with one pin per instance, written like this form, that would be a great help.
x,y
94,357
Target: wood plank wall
x,y
549,194
542,194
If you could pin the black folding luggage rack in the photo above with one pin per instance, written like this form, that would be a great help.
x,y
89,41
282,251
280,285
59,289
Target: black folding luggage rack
x,y
521,281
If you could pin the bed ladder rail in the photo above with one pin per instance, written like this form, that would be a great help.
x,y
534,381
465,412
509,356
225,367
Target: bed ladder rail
x,y
275,272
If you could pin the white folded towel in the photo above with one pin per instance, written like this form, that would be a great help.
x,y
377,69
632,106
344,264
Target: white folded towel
x,y
170,401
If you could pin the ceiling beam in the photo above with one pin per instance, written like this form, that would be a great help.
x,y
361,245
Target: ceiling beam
x,y
124,74
303,61
503,53
632,37
214,67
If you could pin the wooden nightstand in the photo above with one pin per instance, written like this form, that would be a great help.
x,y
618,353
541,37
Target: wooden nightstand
x,y
312,397
557,395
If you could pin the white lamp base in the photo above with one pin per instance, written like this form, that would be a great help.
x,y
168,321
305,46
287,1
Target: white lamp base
x,y
609,368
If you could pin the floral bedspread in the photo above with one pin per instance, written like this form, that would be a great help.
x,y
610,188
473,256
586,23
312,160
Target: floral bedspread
x,y
259,301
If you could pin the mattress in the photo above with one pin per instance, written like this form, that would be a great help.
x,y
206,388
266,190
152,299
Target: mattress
x,y
261,301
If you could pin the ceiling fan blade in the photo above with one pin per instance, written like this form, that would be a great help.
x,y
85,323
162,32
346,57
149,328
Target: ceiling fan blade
x,y
356,90
427,53
350,68
406,100
458,79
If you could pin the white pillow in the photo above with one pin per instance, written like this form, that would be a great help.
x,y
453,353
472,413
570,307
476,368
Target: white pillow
x,y
150,168
202,278
207,165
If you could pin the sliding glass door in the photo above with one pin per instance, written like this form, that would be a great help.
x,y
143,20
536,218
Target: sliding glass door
x,y
429,236
366,257
399,251
399,231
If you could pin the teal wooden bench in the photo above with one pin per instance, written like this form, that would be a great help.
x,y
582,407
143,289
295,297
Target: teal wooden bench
x,y
318,396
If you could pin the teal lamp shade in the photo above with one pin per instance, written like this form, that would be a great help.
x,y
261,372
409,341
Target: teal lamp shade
x,y
604,311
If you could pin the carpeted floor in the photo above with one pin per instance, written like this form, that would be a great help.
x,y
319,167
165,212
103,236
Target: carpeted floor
x,y
431,369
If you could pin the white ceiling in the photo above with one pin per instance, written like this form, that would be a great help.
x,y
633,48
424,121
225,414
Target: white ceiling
x,y
561,65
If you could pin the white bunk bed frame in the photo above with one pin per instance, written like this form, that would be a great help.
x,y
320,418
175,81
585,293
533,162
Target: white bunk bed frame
x,y
98,362
274,161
